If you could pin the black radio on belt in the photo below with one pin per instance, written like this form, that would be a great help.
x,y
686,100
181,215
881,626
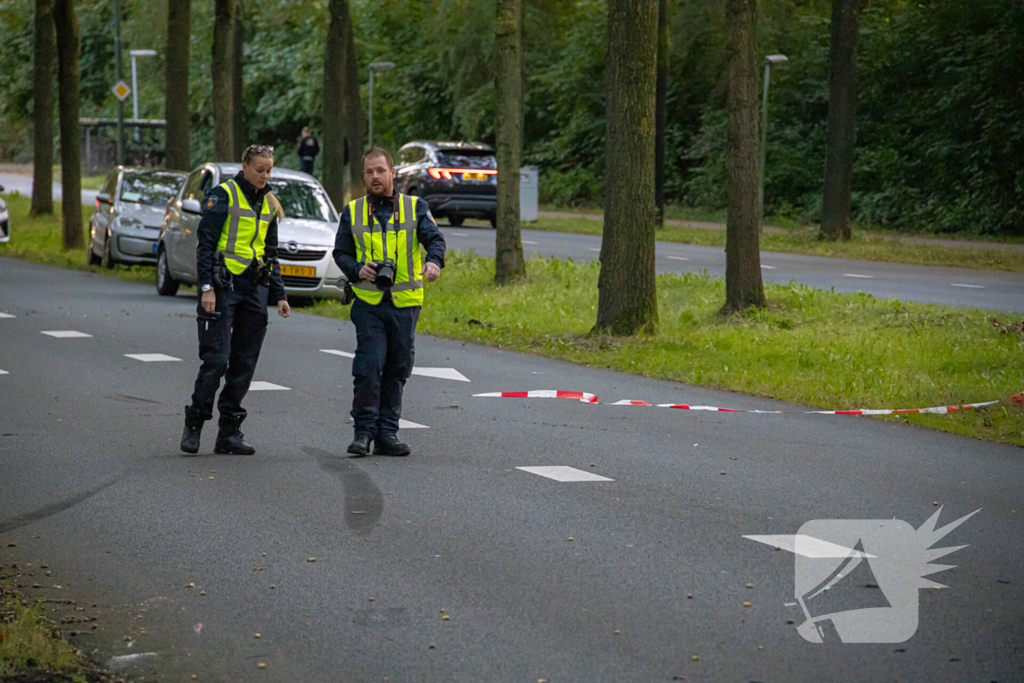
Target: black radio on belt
x,y
264,271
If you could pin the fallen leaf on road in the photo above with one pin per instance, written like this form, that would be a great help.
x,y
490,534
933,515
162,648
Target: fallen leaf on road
x,y
273,586
746,604
446,617
431,646
257,635
690,596
127,638
616,632
202,592
187,585
695,658
569,539
312,559
750,585
262,665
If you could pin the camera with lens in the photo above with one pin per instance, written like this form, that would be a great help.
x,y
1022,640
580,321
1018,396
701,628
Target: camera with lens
x,y
386,270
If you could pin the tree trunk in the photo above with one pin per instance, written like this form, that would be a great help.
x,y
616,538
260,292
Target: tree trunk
x,y
840,137
335,119
353,114
68,50
743,287
42,115
178,132
627,301
508,89
223,77
661,107
238,129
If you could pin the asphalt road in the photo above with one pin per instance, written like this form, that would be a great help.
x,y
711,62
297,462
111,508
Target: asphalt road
x,y
93,486
948,286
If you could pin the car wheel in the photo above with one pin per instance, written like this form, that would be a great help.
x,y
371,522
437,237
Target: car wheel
x,y
455,221
91,258
166,285
108,256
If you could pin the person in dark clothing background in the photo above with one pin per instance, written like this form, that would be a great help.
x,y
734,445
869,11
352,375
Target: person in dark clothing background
x,y
238,275
308,149
387,275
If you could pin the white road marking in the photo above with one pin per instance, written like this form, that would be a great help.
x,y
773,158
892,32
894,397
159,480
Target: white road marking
x,y
529,242
678,258
562,473
865,277
4,372
595,249
66,334
7,315
406,424
808,546
461,234
267,386
336,352
969,286
152,357
767,267
440,373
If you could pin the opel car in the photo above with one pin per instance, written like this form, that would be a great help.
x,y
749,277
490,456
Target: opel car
x,y
459,180
305,235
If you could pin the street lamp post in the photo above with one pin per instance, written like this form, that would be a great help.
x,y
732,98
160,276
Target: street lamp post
x,y
382,67
769,60
135,85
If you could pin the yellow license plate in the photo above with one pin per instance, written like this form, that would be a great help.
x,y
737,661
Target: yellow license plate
x,y
298,271
474,176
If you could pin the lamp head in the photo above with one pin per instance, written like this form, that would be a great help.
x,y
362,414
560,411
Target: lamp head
x,y
775,60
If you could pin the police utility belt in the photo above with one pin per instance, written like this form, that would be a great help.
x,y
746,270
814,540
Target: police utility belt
x,y
257,272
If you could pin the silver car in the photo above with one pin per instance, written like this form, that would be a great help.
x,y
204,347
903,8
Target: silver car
x,y
130,209
305,235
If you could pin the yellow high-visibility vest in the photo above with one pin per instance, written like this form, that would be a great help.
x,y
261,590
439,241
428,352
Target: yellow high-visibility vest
x,y
402,247
243,237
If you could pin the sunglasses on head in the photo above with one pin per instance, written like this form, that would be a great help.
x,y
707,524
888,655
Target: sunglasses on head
x,y
257,150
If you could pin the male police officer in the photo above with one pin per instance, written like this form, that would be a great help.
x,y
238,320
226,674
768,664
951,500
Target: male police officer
x,y
378,249
239,228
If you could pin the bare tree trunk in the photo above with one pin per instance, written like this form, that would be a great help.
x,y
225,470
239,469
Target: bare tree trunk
x,y
223,70
353,114
335,118
627,301
42,115
238,129
68,50
743,287
661,107
178,133
841,134
508,105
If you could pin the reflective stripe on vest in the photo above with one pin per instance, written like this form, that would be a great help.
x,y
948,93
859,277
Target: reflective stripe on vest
x,y
243,237
402,246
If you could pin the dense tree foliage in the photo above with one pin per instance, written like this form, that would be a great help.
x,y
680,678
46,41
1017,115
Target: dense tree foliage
x,y
940,143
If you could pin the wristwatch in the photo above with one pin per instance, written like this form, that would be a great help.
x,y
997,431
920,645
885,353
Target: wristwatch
x,y
207,288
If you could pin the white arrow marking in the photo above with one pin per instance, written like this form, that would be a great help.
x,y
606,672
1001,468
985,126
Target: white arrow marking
x,y
808,546
7,315
152,357
441,373
267,386
562,473
336,352
406,424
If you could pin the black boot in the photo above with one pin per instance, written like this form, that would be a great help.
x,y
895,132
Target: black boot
x,y
190,436
360,446
229,437
388,444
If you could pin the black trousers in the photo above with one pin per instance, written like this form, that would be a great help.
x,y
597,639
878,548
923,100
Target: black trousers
x,y
306,164
385,347
229,346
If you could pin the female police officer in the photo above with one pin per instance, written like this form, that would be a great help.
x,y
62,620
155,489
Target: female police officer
x,y
236,265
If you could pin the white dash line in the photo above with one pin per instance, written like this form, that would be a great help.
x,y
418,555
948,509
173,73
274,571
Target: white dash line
x,y
461,234
336,352
956,284
863,277
4,372
152,357
267,386
440,373
66,334
562,473
767,267
529,242
595,249
678,258
7,315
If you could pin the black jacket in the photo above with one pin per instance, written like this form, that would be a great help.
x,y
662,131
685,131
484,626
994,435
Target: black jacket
x,y
426,232
308,147
215,210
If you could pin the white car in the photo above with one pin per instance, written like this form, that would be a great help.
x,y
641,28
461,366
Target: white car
x,y
5,220
305,235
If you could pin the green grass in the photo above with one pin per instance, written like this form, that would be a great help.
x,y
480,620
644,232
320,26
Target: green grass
x,y
29,645
815,348
811,347
865,245
38,239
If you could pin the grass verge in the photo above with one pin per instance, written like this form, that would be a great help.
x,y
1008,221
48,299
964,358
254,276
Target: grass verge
x,y
809,347
865,245
31,648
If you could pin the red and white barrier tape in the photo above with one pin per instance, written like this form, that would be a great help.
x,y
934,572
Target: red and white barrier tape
x,y
592,398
